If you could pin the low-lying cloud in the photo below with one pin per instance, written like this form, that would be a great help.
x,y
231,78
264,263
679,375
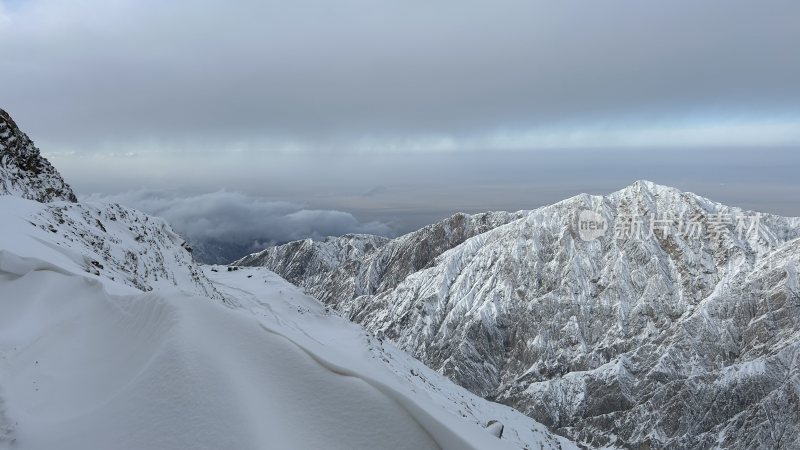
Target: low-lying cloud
x,y
225,225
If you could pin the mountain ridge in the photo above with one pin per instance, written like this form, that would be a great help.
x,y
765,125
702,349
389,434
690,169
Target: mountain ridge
x,y
589,336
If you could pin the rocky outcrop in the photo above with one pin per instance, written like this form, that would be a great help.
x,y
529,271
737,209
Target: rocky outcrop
x,y
105,240
23,170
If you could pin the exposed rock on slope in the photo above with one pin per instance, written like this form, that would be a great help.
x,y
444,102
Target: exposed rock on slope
x,y
23,171
685,339
103,240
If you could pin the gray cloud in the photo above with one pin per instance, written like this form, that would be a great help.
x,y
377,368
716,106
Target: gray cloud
x,y
402,112
225,225
97,73
408,193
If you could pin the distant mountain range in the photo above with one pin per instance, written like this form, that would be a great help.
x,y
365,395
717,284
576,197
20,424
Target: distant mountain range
x,y
647,318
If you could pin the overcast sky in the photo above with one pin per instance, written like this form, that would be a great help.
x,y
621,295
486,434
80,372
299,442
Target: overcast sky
x,y
398,112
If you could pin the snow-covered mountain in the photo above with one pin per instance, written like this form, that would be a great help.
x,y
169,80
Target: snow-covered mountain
x,y
369,271
112,337
298,260
648,318
23,171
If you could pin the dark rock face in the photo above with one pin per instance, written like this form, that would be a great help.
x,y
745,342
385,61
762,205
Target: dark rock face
x,y
23,170
662,340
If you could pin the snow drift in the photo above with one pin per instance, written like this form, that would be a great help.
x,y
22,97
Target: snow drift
x,y
93,359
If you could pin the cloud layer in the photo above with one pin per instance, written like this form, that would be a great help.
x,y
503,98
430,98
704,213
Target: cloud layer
x,y
339,74
225,225
402,112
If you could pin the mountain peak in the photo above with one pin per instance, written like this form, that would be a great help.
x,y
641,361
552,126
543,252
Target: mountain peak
x,y
24,172
648,191
642,185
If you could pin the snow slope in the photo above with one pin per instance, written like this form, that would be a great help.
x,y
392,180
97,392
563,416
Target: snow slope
x,y
99,349
83,368
106,241
346,348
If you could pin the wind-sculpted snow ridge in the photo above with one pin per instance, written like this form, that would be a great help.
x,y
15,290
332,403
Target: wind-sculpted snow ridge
x,y
89,360
684,337
86,369
23,171
101,240
441,407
